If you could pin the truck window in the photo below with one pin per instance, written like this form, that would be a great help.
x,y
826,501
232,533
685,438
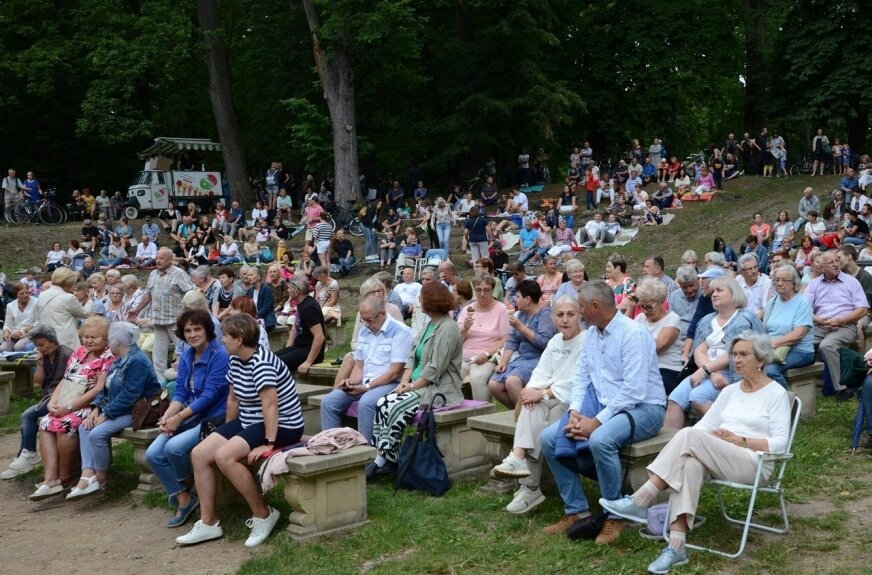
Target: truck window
x,y
157,178
142,178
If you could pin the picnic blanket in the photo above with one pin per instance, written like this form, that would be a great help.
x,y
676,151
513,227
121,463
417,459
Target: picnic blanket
x,y
627,235
510,240
533,189
692,197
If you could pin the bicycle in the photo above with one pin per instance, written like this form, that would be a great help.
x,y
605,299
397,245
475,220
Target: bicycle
x,y
347,219
475,184
801,165
258,188
45,212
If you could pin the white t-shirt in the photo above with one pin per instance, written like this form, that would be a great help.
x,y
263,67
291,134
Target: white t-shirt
x,y
669,358
521,201
524,160
408,292
557,366
594,227
757,294
230,251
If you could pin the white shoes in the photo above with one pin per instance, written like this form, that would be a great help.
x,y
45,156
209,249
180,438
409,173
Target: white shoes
x,y
261,528
200,533
25,462
512,467
44,492
525,500
92,487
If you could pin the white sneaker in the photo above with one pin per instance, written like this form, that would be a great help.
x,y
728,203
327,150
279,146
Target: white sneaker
x,y
200,533
261,528
25,462
525,500
512,467
44,492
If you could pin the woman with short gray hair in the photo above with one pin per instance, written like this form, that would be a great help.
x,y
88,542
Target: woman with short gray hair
x,y
787,318
130,378
751,416
664,327
575,272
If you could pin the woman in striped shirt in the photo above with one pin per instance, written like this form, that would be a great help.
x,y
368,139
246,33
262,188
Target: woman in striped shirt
x,y
263,414
322,235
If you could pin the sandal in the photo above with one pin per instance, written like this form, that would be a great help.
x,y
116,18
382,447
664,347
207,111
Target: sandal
x,y
93,486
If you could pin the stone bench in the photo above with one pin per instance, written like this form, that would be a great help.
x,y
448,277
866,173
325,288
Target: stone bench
x,y
278,338
462,447
804,382
148,481
23,370
498,430
323,370
327,493
7,382
336,333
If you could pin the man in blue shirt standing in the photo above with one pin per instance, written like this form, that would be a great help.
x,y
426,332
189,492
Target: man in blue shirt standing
x,y
617,381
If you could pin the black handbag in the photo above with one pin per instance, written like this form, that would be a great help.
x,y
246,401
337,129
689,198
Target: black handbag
x,y
688,369
421,465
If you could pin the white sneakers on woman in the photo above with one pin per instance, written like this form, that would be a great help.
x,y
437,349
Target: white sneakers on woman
x,y
44,492
260,530
200,533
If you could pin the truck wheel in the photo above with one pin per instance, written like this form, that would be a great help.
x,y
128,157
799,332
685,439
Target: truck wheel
x,y
131,213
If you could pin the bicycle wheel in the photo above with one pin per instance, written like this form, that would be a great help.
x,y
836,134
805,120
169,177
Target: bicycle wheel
x,y
17,214
794,170
355,228
51,214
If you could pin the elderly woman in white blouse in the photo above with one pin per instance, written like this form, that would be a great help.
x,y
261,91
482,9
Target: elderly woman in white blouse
x,y
19,320
543,401
752,415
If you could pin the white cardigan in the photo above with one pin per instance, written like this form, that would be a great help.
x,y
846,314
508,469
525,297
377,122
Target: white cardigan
x,y
60,310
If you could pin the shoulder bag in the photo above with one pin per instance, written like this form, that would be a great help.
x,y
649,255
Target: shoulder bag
x,y
421,465
147,411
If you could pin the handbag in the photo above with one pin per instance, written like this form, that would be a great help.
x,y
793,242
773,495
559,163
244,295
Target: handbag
x,y
421,465
781,351
147,411
71,389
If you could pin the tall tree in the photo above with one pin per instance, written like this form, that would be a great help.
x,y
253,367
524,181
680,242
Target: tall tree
x,y
221,95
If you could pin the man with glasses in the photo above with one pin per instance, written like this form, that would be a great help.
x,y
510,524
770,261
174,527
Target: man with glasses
x,y
755,285
837,303
383,347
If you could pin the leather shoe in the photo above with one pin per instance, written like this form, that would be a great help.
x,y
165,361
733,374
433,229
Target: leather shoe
x,y
369,470
389,468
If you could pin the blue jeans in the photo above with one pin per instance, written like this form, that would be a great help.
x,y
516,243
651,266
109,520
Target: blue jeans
x,y
794,359
866,399
854,241
337,401
371,246
30,425
602,461
170,457
443,232
799,223
347,263
94,443
111,262
227,260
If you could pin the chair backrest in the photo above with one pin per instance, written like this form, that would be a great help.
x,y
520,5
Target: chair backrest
x,y
795,412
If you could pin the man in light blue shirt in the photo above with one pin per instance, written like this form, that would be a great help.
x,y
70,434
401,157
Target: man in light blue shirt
x,y
151,230
528,239
684,300
383,347
618,367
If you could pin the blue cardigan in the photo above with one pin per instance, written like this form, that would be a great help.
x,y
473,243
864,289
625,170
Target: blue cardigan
x,y
265,305
129,378
209,395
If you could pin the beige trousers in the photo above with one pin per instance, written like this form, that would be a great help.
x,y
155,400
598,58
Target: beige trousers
x,y
478,378
530,424
691,456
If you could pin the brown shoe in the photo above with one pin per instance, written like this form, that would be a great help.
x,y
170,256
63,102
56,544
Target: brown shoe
x,y
562,526
610,532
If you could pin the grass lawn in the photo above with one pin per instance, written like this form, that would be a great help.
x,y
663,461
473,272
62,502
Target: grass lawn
x,y
829,490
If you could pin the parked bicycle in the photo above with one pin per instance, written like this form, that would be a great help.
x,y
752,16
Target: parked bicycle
x,y
347,219
800,165
45,212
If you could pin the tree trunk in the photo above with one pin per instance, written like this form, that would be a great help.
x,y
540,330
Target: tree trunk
x,y
337,78
858,125
752,14
222,104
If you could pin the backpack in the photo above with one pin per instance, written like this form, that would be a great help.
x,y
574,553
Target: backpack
x,y
266,255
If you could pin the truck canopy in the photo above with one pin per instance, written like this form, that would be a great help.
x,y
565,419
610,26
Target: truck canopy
x,y
170,147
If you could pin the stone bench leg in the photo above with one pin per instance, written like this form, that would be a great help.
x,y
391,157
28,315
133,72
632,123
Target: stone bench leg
x,y
463,449
148,481
497,447
7,381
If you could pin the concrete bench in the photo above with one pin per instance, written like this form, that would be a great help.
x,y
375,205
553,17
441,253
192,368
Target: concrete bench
x,y
336,333
148,481
311,413
323,370
23,370
462,447
804,382
327,493
7,382
278,338
498,430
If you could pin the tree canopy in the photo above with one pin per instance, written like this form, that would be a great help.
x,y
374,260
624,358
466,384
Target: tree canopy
x,y
444,85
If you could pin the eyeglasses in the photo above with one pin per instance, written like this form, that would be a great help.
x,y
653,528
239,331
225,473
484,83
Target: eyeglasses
x,y
781,280
649,306
369,321
748,269
484,290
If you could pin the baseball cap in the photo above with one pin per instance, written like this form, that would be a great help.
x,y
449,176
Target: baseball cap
x,y
713,272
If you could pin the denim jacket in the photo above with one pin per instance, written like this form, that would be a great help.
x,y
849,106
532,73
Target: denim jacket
x,y
129,378
744,320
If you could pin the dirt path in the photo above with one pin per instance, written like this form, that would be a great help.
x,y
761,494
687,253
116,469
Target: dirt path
x,y
92,536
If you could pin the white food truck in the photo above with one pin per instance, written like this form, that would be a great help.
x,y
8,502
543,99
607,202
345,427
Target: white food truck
x,y
157,184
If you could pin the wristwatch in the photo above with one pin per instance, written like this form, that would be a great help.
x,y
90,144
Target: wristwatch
x,y
545,394
705,370
270,442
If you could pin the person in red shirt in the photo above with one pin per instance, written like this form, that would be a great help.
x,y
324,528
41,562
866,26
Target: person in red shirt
x,y
592,184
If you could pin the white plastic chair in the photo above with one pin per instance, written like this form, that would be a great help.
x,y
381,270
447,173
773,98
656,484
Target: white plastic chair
x,y
772,485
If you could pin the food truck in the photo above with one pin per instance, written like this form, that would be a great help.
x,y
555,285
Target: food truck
x,y
158,183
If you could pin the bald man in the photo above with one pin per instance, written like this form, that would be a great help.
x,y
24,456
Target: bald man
x,y
164,291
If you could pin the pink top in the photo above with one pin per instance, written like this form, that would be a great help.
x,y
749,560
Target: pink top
x,y
707,180
549,288
313,215
487,329
564,237
761,231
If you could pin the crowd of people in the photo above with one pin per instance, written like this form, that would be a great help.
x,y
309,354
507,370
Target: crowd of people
x,y
574,356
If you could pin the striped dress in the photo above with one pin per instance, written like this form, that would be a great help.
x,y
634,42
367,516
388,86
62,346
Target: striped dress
x,y
263,369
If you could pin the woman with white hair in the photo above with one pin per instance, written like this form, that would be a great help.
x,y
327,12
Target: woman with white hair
x,y
575,271
130,378
715,369
751,416
664,326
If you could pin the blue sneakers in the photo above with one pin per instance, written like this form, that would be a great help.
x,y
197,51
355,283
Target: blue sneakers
x,y
625,508
668,559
